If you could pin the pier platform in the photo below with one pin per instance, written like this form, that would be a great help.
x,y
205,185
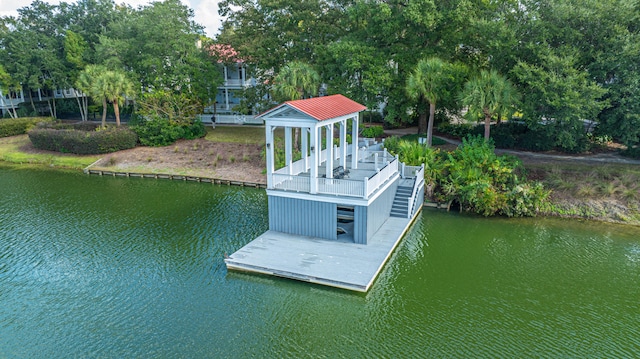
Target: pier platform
x,y
333,263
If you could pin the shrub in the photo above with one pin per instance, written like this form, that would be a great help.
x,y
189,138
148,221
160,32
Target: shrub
x,y
633,152
372,132
158,132
195,130
20,126
372,117
474,176
105,140
461,130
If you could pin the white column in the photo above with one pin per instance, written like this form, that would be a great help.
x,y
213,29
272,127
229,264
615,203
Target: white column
x,y
354,141
343,144
314,147
288,150
304,132
329,164
270,159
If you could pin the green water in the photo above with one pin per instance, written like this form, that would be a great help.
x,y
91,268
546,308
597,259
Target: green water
x,y
117,267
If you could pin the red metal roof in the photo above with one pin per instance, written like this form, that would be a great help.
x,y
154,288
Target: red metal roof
x,y
326,107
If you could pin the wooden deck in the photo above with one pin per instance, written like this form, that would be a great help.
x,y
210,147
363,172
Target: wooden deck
x,y
333,263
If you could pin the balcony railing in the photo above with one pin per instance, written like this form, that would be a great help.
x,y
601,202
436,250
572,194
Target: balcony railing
x,y
300,181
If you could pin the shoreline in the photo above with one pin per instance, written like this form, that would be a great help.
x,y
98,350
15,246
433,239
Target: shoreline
x,y
579,211
214,161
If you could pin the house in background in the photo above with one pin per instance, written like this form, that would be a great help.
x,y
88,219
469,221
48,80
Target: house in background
x,y
344,205
229,94
12,99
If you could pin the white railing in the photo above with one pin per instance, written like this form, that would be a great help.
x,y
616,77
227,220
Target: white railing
x,y
375,181
290,182
412,171
368,155
342,187
419,181
280,179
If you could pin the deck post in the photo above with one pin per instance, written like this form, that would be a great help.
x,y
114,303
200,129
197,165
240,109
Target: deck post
x,y
287,150
343,144
402,171
329,142
375,161
269,144
354,142
366,188
305,147
313,175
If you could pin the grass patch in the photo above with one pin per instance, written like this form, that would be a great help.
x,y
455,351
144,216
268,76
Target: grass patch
x,y
10,151
435,141
580,189
236,134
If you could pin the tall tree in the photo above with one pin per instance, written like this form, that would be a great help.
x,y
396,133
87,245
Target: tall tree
x,y
115,87
431,81
489,94
161,44
7,84
296,80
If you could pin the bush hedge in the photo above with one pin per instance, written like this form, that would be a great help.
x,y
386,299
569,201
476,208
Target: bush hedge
x,y
633,152
474,177
20,126
372,132
81,142
161,132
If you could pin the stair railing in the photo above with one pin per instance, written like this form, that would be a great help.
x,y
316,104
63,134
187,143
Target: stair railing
x,y
411,201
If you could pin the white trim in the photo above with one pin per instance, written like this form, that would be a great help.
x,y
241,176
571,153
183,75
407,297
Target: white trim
x,y
349,201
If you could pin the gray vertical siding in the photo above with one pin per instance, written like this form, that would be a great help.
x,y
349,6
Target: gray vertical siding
x,y
378,211
303,217
360,224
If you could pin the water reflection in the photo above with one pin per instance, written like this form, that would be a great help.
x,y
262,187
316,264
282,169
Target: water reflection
x,y
122,267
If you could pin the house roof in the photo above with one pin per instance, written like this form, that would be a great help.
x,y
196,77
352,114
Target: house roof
x,y
322,108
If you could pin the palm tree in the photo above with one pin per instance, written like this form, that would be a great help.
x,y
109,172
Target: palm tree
x,y
427,83
295,81
105,85
115,86
489,94
87,83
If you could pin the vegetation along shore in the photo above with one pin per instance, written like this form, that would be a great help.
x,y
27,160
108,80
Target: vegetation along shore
x,y
540,100
578,186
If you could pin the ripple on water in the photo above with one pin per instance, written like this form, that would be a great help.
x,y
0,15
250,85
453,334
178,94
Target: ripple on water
x,y
134,268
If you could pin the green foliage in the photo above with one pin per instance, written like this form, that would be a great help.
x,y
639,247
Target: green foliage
x,y
487,184
461,131
295,81
158,132
102,140
20,126
633,152
177,108
279,155
195,130
372,132
431,81
474,176
487,95
371,117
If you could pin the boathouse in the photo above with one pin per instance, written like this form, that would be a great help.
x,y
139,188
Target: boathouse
x,y
334,191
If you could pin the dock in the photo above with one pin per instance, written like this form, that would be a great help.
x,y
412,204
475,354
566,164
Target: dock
x,y
333,263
